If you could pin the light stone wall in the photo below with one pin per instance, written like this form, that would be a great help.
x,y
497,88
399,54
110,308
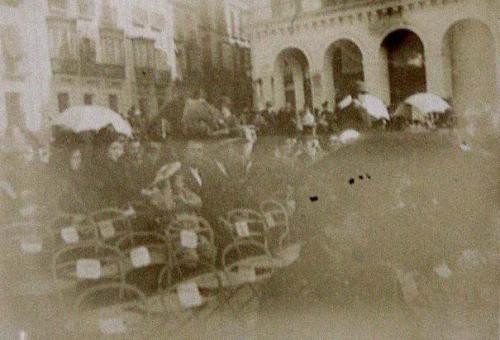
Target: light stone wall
x,y
314,32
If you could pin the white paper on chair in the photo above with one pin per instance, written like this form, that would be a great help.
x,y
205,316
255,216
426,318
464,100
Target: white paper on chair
x,y
112,326
106,229
88,269
242,228
70,235
247,274
140,257
189,239
31,246
189,295
270,220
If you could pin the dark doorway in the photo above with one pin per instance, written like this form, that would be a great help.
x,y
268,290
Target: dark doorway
x,y
405,57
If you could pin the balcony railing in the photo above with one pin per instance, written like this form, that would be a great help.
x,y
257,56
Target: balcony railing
x,y
73,67
65,66
110,71
90,70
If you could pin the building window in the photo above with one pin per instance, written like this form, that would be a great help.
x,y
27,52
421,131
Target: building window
x,y
58,5
113,102
87,99
11,46
62,39
108,14
298,6
157,22
86,8
277,7
139,17
12,3
143,52
63,101
112,47
13,109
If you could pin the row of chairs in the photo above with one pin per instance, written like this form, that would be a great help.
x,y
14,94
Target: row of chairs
x,y
110,258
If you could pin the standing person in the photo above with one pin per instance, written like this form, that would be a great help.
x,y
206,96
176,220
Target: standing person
x,y
287,120
172,110
78,193
327,117
308,122
114,186
269,115
153,161
135,166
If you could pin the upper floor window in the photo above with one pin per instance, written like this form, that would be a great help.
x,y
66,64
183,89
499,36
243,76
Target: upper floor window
x,y
12,52
13,3
139,17
87,51
58,5
62,38
283,8
86,8
108,14
112,47
143,52
161,60
157,22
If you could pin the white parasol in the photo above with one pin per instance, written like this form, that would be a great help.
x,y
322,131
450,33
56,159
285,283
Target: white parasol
x,y
374,106
92,118
427,103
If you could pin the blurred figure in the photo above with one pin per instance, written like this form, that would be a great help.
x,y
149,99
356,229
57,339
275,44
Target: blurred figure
x,y
307,122
327,120
114,184
78,195
186,200
287,120
200,118
135,166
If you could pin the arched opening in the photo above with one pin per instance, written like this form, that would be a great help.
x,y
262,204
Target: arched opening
x,y
343,67
292,82
404,52
469,66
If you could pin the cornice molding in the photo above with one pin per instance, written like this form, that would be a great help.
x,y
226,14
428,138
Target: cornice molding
x,y
374,14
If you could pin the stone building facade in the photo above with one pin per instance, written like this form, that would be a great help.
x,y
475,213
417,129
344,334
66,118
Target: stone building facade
x,y
213,49
306,52
114,53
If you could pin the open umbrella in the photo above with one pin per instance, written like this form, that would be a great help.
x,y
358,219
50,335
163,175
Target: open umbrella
x,y
427,103
374,106
92,118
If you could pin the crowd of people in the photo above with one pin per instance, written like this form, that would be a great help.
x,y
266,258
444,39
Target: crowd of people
x,y
189,116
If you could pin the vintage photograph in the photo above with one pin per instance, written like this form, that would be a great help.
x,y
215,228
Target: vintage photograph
x,y
250,169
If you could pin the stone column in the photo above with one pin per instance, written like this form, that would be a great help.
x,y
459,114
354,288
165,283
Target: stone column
x,y
434,72
317,89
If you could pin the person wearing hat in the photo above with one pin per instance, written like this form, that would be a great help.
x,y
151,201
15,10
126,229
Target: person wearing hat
x,y
350,112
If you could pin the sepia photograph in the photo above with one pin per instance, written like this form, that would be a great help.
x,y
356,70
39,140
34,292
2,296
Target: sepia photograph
x,y
250,169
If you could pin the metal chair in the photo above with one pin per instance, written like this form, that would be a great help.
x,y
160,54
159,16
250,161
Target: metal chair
x,y
245,224
246,264
189,291
111,223
67,229
277,224
88,262
147,254
111,309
